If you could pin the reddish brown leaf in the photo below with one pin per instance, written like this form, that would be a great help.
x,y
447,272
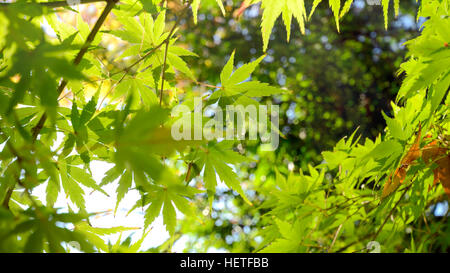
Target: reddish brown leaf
x,y
443,173
432,152
244,5
400,173
414,151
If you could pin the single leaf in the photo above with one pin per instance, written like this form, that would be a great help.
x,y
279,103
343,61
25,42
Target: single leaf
x,y
124,185
169,216
271,10
399,174
153,210
243,72
228,68
195,5
180,65
88,111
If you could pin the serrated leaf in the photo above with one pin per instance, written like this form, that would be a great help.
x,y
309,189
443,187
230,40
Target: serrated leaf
x,y
159,25
287,17
271,11
180,65
149,6
195,5
395,128
346,8
179,51
386,148
35,242
396,7
169,216
75,117
88,111
280,246
85,178
84,226
71,188
335,7
209,177
229,177
222,9
256,89
385,4
153,210
111,175
124,185
68,145
297,9
228,68
314,6
243,72
52,191
182,204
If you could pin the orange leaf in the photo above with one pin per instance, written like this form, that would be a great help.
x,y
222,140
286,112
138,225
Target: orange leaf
x,y
443,173
393,183
433,153
400,173
414,151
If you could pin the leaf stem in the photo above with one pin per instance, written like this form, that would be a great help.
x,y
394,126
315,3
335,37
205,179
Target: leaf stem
x,y
391,212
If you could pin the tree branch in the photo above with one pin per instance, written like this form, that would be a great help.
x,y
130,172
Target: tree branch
x,y
166,41
375,235
58,4
335,237
8,195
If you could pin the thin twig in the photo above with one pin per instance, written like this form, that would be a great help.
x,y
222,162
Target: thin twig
x,y
188,173
335,237
163,73
37,129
